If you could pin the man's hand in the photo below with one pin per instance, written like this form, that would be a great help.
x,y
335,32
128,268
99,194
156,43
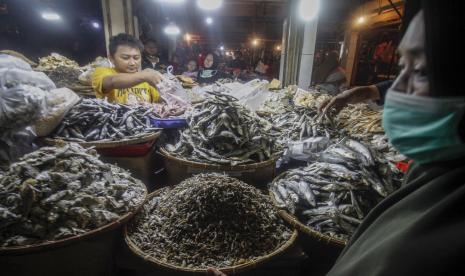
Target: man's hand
x,y
151,76
214,272
351,96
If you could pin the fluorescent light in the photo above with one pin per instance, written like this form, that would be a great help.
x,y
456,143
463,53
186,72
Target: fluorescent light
x,y
222,48
171,1
51,16
308,9
172,29
209,20
209,4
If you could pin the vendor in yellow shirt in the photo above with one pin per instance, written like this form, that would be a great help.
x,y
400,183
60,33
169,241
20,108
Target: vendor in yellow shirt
x,y
126,83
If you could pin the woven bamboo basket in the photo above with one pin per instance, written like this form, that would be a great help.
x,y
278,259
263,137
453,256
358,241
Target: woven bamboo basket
x,y
110,144
256,174
14,250
228,270
294,221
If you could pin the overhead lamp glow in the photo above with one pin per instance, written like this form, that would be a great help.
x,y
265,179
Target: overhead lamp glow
x,y
308,9
209,4
361,20
51,16
222,48
209,20
255,42
171,1
95,25
278,48
187,37
172,29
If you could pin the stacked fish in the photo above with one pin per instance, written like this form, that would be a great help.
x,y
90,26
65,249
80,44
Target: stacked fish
x,y
59,192
55,60
208,220
64,76
300,122
360,120
98,120
334,193
221,131
311,99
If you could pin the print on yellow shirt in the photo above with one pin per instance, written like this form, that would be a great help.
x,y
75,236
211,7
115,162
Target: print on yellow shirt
x,y
142,92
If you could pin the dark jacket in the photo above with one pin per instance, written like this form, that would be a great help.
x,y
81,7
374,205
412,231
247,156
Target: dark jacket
x,y
418,230
146,63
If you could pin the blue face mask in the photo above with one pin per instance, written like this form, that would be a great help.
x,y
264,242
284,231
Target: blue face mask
x,y
424,129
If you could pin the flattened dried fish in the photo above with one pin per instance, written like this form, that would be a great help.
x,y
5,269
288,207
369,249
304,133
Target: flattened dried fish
x,y
58,192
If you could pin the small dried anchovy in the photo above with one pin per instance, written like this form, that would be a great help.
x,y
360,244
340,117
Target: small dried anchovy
x,y
221,131
64,76
99,120
208,220
58,192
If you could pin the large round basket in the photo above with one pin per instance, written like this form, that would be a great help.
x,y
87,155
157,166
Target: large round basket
x,y
282,250
322,249
110,144
256,174
91,253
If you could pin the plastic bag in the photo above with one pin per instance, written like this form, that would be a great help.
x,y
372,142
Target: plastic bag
x,y
20,106
58,103
86,76
10,77
7,61
306,149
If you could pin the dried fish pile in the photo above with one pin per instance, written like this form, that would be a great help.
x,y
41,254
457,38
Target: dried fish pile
x,y
208,220
98,120
300,122
360,119
64,76
55,60
59,192
278,102
310,99
221,131
333,194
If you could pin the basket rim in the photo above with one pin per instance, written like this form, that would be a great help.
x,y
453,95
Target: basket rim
x,y
50,244
110,144
169,156
294,221
231,269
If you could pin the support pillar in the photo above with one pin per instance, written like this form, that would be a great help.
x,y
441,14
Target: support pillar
x,y
117,18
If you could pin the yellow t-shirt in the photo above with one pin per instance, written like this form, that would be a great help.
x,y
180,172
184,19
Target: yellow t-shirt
x,y
142,92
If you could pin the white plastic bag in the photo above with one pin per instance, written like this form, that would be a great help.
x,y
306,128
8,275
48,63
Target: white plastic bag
x,y
58,103
7,61
10,77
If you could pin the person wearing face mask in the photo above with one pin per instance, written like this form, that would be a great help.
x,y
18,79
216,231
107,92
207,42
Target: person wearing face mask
x,y
209,72
126,83
419,229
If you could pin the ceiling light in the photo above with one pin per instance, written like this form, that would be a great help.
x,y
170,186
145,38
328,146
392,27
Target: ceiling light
x,y
51,16
209,20
308,9
209,4
172,29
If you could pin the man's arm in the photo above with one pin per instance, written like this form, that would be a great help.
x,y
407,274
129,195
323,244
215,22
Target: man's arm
x,y
126,80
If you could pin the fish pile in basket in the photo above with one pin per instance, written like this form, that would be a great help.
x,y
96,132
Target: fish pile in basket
x,y
59,192
221,131
337,190
208,220
301,122
98,120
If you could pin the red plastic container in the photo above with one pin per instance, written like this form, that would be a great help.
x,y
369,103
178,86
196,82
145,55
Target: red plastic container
x,y
128,150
